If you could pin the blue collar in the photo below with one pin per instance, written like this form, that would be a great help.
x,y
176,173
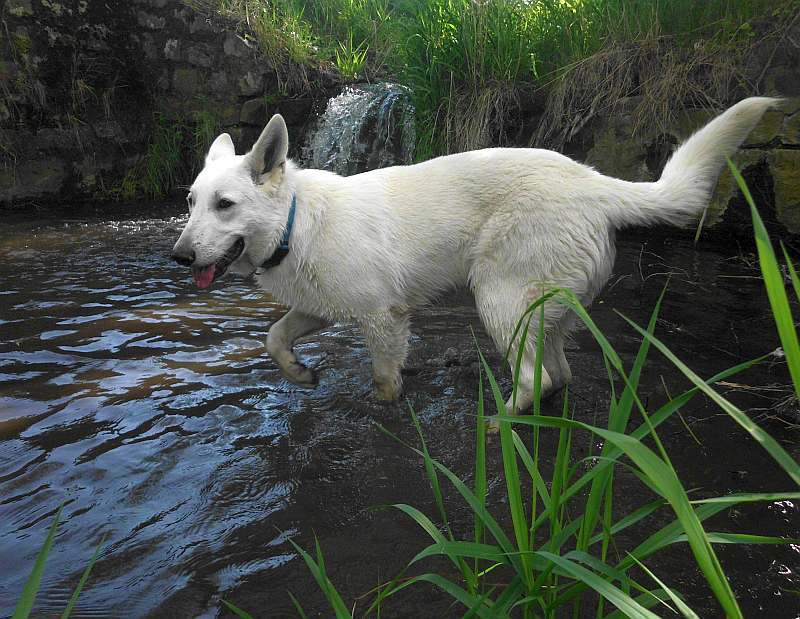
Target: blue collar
x,y
283,249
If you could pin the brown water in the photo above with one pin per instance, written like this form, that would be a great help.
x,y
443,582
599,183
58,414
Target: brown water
x,y
152,411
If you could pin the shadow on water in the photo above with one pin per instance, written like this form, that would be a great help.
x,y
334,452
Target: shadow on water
x,y
154,413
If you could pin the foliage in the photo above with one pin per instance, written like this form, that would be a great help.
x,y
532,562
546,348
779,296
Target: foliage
x,y
175,152
468,63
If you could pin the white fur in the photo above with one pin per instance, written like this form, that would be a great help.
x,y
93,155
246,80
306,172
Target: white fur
x,y
508,223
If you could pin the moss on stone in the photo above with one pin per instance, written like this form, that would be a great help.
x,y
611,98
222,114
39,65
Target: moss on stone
x,y
767,129
616,154
784,165
790,133
726,188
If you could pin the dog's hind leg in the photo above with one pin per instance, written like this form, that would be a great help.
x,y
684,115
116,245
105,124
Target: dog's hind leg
x,y
501,303
387,336
280,340
555,362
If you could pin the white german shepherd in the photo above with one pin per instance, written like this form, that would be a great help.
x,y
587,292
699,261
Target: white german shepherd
x,y
370,248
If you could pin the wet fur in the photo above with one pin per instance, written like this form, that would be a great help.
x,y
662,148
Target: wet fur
x,y
507,223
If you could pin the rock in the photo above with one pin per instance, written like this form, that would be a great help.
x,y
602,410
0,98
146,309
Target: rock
x,y
172,49
790,133
108,130
32,179
199,57
727,188
617,154
451,357
251,84
218,83
766,130
19,8
153,22
785,168
149,48
234,45
186,81
254,112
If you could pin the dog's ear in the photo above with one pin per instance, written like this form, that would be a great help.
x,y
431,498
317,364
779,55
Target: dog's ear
x,y
221,147
269,152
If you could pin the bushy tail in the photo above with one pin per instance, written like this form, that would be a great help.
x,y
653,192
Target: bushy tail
x,y
691,174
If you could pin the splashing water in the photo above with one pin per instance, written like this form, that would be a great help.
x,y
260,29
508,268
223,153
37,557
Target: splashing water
x,y
366,127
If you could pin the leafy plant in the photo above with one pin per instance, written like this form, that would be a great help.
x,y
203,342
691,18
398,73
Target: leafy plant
x,y
350,60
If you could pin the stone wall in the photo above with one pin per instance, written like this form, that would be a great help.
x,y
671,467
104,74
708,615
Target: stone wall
x,y
769,159
83,79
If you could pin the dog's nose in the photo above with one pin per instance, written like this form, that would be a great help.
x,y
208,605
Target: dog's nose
x,y
182,259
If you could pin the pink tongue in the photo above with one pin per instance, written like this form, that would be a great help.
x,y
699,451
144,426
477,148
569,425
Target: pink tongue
x,y
204,277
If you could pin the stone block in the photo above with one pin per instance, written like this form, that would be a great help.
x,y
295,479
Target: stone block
x,y
218,83
785,169
172,49
251,84
33,179
727,188
199,57
790,134
148,20
766,130
234,45
254,112
186,81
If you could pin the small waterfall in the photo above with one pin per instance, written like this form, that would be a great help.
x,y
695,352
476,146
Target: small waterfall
x,y
367,126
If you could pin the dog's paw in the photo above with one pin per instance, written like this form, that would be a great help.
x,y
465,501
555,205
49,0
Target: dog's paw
x,y
300,375
388,391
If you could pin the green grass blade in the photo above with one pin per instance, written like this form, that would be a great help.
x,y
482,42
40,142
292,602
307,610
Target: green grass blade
x,y
792,272
679,603
744,538
533,470
480,462
670,488
301,613
773,281
613,594
750,497
777,452
511,471
470,601
28,597
242,614
631,519
318,571
83,579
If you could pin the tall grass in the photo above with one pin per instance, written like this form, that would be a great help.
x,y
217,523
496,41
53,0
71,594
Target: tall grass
x,y
565,540
469,63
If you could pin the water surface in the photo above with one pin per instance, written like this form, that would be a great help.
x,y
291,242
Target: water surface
x,y
153,413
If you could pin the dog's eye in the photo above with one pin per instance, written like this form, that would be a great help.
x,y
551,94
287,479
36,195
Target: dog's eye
x,y
189,201
224,203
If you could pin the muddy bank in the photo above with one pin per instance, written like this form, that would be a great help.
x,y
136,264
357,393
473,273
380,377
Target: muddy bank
x,y
153,411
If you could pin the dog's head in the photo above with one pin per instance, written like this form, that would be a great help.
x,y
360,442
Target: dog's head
x,y
238,207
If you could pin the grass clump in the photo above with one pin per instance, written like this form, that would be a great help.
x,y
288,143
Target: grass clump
x,y
175,152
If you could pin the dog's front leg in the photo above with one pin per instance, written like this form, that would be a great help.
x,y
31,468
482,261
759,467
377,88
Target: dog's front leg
x,y
280,340
387,336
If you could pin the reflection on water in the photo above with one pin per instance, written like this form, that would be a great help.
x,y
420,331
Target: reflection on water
x,y
152,411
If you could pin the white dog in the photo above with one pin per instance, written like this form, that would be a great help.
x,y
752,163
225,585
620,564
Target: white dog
x,y
370,248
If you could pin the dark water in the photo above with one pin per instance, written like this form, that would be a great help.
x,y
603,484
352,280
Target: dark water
x,y
152,411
